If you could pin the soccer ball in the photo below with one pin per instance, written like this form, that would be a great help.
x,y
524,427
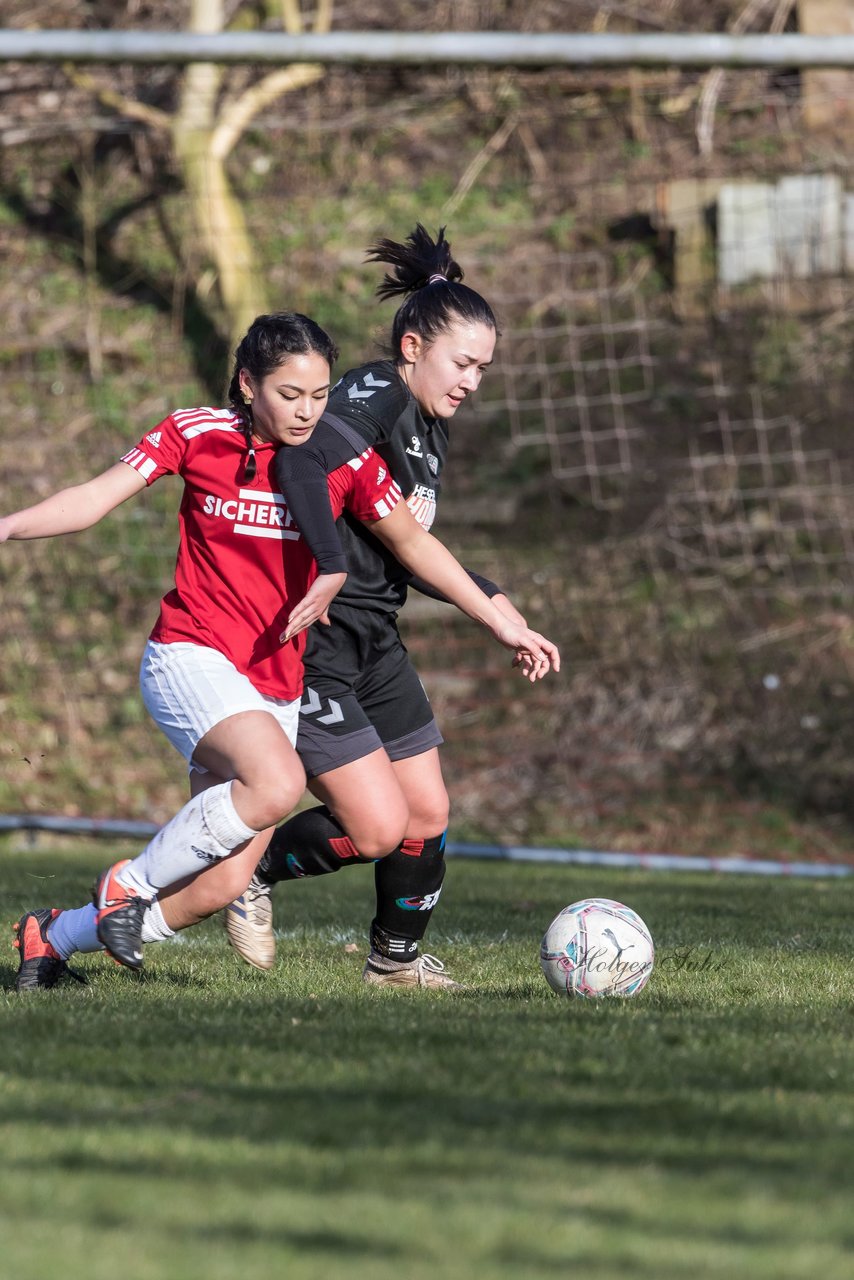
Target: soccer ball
x,y
597,947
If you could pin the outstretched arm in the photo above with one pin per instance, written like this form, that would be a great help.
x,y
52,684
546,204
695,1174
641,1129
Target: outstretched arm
x,y
75,508
424,555
496,595
489,588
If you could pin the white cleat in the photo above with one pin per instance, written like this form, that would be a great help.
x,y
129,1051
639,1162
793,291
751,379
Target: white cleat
x,y
249,925
425,971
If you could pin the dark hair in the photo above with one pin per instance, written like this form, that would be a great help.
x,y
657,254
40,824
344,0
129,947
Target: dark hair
x,y
426,274
267,343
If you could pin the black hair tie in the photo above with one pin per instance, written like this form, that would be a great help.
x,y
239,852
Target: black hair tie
x,y
251,468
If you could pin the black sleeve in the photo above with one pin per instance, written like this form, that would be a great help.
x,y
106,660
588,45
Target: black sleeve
x,y
301,474
487,587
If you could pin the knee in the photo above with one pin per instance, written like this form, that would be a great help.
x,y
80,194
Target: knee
x,y
273,794
378,844
382,833
429,817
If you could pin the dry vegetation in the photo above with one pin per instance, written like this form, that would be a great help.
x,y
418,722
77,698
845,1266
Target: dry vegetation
x,y
662,733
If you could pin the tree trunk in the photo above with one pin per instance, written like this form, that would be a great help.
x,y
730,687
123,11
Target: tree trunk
x,y
217,216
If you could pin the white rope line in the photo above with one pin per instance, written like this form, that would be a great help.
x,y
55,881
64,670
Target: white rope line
x,y
118,829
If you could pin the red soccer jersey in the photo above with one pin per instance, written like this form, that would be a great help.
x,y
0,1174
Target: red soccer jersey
x,y
242,562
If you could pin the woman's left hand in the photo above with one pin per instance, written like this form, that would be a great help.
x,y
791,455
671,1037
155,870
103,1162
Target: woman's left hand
x,y
538,662
534,662
533,668
314,604
534,654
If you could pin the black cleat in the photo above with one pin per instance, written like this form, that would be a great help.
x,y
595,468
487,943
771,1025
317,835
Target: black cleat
x,y
119,918
40,965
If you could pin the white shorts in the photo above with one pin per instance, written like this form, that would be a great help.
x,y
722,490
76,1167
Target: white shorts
x,y
188,688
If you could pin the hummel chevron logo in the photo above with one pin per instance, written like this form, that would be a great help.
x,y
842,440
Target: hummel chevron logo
x,y
354,393
312,705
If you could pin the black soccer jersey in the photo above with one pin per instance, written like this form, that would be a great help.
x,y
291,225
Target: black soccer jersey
x,y
370,405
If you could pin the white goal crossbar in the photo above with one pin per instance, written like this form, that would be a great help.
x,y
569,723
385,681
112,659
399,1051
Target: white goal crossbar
x,y
470,48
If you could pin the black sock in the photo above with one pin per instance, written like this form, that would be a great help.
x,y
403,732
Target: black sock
x,y
408,884
311,843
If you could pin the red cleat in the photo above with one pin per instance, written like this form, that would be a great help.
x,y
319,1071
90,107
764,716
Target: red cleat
x,y
119,919
40,965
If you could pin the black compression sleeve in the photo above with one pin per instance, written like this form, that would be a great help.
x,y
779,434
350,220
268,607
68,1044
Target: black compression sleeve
x,y
302,478
487,587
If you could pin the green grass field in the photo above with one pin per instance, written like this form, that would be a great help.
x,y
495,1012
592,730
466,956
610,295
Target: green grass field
x,y
208,1121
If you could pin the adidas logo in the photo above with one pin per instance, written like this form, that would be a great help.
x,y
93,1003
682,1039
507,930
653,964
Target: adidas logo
x,y
204,855
154,437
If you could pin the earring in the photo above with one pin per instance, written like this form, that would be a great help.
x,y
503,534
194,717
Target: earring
x,y
246,399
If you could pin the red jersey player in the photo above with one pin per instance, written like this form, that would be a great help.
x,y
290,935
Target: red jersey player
x,y
221,672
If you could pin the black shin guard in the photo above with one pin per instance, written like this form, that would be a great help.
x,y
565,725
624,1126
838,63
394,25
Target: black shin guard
x,y
408,884
311,843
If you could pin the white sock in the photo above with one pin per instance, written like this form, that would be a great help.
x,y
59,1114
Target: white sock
x,y
74,931
206,829
154,927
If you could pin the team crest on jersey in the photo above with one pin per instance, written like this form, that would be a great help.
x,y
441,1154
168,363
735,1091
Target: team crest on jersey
x,y
414,449
154,438
433,463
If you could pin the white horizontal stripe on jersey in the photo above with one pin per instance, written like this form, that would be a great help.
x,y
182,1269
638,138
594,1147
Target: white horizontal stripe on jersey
x,y
197,422
184,417
263,531
260,496
189,433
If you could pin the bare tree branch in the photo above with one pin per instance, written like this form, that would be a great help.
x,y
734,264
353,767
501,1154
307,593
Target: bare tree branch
x,y
323,16
128,107
235,117
292,17
713,82
479,163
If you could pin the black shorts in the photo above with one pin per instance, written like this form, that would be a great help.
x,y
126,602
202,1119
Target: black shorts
x,y
361,692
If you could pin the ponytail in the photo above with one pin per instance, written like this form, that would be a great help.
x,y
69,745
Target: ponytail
x,y
426,275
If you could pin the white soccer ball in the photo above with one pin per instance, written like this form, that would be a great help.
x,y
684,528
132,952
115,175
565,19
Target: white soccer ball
x,y
597,947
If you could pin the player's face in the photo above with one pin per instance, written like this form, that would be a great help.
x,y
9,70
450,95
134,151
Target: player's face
x,y
287,404
443,374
